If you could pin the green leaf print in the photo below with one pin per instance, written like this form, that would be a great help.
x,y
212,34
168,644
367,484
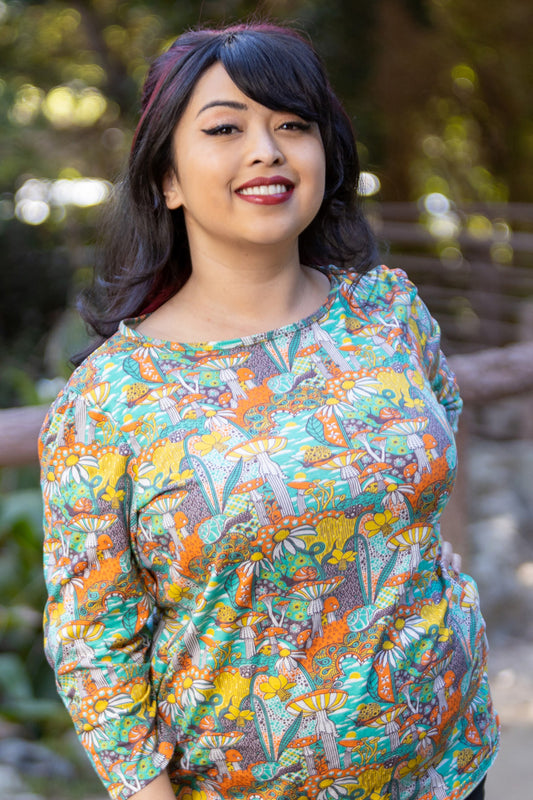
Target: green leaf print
x,y
385,573
262,724
289,734
315,429
294,347
205,481
366,586
232,481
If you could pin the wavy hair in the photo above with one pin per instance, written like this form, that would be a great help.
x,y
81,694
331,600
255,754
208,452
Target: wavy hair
x,y
145,256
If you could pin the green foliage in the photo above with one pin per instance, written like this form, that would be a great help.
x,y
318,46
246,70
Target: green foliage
x,y
27,690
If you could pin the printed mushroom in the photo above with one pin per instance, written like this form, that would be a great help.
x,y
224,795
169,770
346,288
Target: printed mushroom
x,y
226,367
350,743
346,463
262,450
412,538
246,624
325,340
389,719
130,427
234,757
319,704
374,474
411,473
246,376
167,507
302,487
272,633
215,742
79,634
314,592
431,444
105,544
250,488
311,351
331,605
304,743
91,525
411,429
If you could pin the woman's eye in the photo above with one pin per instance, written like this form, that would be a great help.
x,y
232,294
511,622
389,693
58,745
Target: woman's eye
x,y
295,125
220,130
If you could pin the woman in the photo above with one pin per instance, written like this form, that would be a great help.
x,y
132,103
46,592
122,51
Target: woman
x,y
243,482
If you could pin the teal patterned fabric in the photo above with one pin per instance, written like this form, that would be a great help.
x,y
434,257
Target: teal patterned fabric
x,y
243,559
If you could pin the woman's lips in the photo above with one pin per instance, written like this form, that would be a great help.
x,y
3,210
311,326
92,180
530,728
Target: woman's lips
x,y
266,191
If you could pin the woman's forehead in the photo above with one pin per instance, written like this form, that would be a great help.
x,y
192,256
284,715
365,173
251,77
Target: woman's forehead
x,y
215,87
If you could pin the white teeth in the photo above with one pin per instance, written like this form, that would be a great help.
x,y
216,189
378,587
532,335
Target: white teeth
x,y
273,188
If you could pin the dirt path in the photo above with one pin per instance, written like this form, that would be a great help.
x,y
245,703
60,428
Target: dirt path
x,y
511,672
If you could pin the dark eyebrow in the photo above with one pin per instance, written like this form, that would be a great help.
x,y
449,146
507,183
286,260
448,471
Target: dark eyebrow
x,y
227,103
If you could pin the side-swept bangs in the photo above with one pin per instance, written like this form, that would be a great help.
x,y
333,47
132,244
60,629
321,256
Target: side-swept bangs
x,y
277,70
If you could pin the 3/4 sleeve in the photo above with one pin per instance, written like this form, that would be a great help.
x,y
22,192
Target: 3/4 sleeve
x,y
425,334
100,606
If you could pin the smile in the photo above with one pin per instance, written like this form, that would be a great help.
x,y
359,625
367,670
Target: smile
x,y
267,191
274,188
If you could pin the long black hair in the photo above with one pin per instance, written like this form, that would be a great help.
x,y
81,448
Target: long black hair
x,y
145,258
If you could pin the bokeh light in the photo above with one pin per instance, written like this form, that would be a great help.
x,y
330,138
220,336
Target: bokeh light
x,y
369,184
36,198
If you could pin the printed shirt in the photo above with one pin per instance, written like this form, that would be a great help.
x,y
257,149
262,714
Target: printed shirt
x,y
243,560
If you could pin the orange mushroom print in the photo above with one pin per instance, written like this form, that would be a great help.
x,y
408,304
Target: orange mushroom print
x,y
243,479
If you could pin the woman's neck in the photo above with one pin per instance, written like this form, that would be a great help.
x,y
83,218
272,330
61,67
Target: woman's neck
x,y
223,300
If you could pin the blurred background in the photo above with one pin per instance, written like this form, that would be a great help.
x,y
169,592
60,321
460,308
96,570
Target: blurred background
x,y
439,92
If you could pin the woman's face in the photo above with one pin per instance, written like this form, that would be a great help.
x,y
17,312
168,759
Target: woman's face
x,y
245,175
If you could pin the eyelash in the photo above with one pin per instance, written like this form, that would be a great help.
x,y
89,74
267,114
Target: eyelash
x,y
224,130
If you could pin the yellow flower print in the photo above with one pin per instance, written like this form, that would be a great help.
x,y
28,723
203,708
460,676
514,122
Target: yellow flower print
x,y
414,402
50,484
79,468
276,686
445,633
114,496
240,716
177,593
211,441
381,522
341,558
180,478
192,794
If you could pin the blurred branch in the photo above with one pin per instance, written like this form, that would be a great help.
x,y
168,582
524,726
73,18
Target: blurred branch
x,y
120,86
494,374
19,430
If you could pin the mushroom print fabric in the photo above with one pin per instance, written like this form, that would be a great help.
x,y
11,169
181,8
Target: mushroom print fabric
x,y
243,560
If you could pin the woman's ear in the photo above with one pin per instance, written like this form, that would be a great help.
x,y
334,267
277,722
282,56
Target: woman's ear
x,y
171,190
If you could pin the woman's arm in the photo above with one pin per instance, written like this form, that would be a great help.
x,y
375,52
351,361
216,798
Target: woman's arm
x,y
99,612
159,789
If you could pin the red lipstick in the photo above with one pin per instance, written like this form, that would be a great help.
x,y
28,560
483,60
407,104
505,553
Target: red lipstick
x,y
266,191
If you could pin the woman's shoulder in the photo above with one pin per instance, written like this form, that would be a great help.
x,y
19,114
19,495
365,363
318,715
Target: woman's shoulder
x,y
96,383
381,285
102,365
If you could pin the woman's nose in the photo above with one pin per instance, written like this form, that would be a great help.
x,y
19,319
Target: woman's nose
x,y
264,148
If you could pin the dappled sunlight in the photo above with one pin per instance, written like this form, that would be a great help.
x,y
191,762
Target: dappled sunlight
x,y
36,198
27,105
64,106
